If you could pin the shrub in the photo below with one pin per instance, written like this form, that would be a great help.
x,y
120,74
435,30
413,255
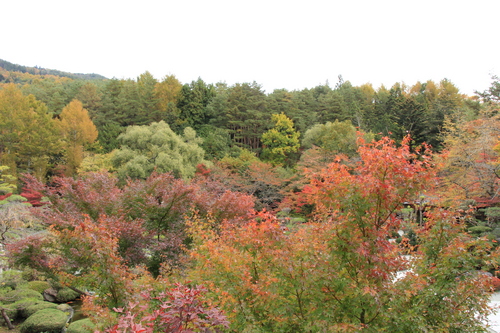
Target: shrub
x,y
25,313
493,214
10,312
81,326
39,286
4,290
16,295
16,309
12,278
46,320
30,274
66,294
479,230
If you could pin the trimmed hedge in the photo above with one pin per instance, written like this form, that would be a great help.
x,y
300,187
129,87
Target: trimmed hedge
x,y
19,306
46,320
17,295
12,278
39,286
66,294
25,313
81,326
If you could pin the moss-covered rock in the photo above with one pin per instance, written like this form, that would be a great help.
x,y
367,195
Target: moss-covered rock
x,y
28,311
39,286
46,320
19,294
66,294
66,308
81,326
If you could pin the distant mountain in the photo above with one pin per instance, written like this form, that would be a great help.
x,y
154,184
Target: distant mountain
x,y
8,66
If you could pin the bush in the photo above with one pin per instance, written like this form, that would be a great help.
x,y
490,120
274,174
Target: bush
x,y
496,232
39,286
25,313
46,320
30,274
81,326
12,278
17,295
12,313
493,214
20,306
66,294
479,230
4,290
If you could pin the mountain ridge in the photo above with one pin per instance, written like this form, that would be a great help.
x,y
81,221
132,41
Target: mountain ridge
x,y
8,66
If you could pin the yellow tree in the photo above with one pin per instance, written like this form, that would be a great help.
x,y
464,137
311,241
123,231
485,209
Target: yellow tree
x,y
28,134
167,91
280,141
469,166
78,131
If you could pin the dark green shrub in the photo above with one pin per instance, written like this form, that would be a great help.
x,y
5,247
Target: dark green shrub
x,y
81,326
39,286
46,320
493,214
412,237
479,230
25,313
66,294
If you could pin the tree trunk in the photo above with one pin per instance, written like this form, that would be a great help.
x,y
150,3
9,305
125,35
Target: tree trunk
x,y
7,319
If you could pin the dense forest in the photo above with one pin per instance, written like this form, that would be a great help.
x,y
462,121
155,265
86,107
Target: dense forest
x,y
207,207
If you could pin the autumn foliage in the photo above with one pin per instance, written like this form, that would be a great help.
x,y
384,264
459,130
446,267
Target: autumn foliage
x,y
178,309
341,273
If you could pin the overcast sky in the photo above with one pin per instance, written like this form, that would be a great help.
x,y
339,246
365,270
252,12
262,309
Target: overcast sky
x,y
277,43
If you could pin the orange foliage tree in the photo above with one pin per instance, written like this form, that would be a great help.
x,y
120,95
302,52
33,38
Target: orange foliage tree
x,y
85,256
340,272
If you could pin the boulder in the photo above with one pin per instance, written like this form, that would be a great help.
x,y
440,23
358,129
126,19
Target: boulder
x,y
50,295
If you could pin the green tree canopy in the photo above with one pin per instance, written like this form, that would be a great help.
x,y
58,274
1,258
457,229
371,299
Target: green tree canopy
x,y
157,148
281,140
6,181
338,137
241,109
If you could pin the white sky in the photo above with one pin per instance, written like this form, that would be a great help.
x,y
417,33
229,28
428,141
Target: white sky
x,y
277,43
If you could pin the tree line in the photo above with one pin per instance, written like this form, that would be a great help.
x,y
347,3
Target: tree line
x,y
228,118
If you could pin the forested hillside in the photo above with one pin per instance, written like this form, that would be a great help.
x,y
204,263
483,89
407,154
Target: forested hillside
x,y
13,68
329,209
